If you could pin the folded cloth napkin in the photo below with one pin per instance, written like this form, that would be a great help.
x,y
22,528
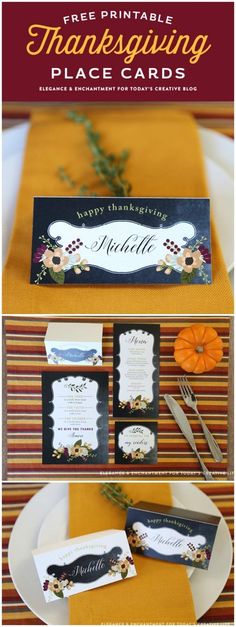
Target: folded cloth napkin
x,y
165,160
159,594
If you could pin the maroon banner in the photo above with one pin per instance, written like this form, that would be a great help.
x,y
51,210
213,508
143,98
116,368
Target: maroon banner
x,y
72,51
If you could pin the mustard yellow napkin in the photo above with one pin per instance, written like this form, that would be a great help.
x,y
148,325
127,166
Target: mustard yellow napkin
x,y
165,160
159,594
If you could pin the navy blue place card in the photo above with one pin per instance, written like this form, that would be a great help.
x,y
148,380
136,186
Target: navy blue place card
x,y
136,352
75,417
171,534
135,442
90,240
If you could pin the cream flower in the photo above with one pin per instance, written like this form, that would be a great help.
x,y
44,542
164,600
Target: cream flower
x,y
55,586
136,404
199,555
75,451
79,451
190,260
123,566
137,455
55,259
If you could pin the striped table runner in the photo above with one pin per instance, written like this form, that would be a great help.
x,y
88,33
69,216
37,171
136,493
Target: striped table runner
x,y
26,359
217,116
15,496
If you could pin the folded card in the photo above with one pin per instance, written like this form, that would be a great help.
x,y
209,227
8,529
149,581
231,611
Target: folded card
x,y
83,563
121,240
171,534
73,343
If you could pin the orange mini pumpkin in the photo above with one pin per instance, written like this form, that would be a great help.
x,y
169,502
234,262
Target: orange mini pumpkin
x,y
198,348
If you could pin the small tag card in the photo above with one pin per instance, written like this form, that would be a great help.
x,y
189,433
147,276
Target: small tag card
x,y
135,443
136,355
75,417
83,241
171,534
73,343
83,563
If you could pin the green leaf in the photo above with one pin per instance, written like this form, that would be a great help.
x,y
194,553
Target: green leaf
x,y
138,398
78,443
59,594
124,575
58,277
186,277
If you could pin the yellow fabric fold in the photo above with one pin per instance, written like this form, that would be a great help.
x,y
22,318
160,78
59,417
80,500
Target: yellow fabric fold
x,y
160,593
165,160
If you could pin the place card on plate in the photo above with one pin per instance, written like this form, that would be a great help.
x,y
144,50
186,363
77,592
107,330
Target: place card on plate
x,y
89,240
171,534
83,563
136,370
73,343
135,443
75,417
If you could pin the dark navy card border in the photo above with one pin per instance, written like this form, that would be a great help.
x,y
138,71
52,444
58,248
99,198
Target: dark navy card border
x,y
101,453
50,209
151,457
154,329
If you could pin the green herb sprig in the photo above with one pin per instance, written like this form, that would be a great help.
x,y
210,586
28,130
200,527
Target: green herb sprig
x,y
114,493
108,167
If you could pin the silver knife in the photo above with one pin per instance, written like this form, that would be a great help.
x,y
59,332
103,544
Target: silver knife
x,y
183,423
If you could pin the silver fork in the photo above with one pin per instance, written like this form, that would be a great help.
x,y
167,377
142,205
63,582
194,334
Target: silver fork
x,y
191,401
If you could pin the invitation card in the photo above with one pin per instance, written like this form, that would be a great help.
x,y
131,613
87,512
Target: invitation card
x,y
136,370
92,240
135,443
75,417
83,563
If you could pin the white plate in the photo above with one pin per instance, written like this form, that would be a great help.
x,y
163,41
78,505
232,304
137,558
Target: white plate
x,y
222,202
218,153
218,148
13,148
206,586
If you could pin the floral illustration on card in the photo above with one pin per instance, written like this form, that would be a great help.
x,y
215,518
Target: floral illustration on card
x,y
79,449
135,541
136,455
57,586
191,260
196,556
56,260
139,403
121,567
